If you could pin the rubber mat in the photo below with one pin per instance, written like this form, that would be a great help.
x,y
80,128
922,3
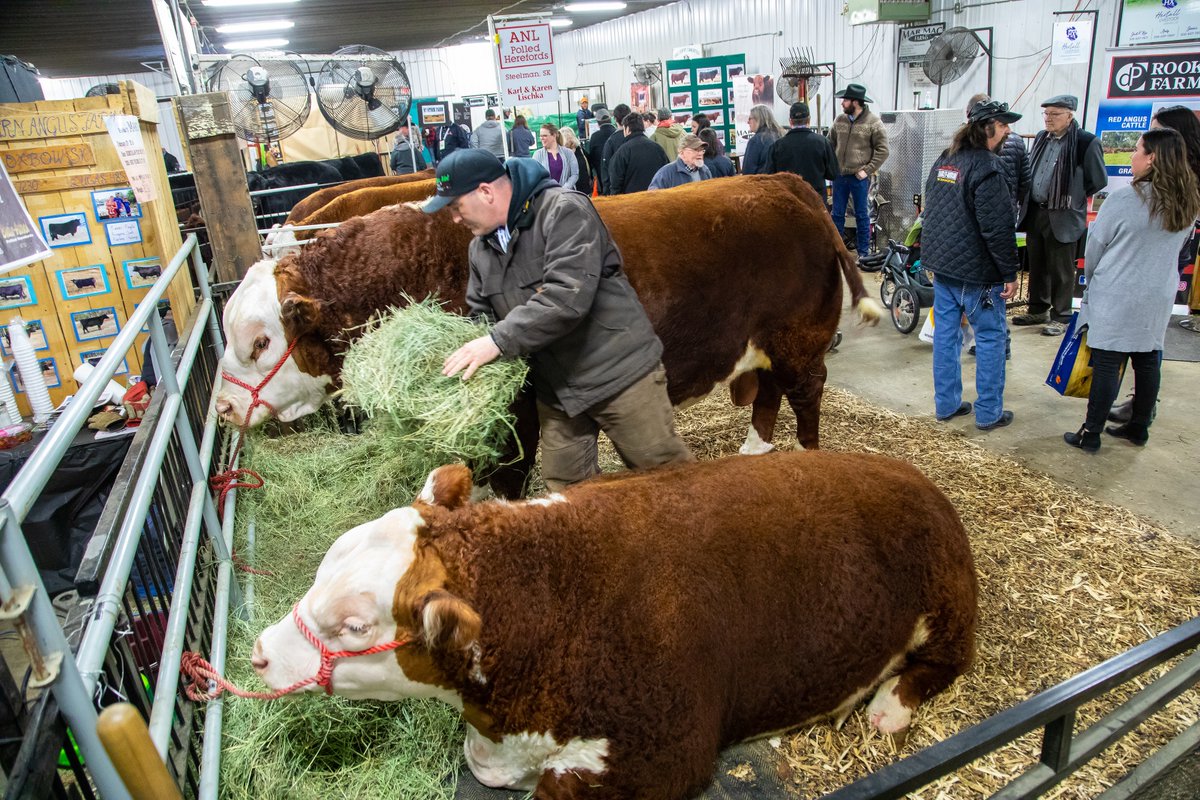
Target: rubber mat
x,y
750,771
1182,344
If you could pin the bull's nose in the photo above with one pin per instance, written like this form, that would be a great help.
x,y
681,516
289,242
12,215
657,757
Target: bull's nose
x,y
257,659
224,407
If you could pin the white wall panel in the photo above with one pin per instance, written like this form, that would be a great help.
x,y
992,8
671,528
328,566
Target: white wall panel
x,y
765,30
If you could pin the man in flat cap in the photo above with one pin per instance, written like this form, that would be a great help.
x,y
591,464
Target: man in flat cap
x,y
860,142
804,152
1068,167
545,270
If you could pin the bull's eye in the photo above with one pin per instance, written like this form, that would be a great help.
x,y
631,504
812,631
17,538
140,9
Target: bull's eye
x,y
356,628
260,344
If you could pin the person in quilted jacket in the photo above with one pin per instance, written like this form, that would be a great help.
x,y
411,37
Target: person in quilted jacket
x,y
1014,156
969,242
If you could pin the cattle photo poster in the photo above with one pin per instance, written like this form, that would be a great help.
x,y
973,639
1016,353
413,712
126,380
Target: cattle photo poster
x,y
20,243
66,230
80,282
95,323
113,204
49,371
141,273
92,358
37,337
123,233
17,291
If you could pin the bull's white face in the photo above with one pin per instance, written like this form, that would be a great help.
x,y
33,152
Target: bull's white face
x,y
254,343
349,607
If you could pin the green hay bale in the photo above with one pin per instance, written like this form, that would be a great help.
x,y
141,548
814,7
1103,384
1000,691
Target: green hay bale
x,y
319,484
394,369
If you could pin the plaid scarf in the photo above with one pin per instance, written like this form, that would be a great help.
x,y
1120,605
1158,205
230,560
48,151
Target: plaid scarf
x,y
1060,181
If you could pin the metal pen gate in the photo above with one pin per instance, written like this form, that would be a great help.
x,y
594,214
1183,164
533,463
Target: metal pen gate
x,y
157,579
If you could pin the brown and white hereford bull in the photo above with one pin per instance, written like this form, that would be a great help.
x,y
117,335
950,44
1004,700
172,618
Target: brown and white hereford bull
x,y
609,641
741,278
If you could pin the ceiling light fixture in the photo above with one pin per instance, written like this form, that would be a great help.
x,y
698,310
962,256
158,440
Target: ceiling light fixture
x,y
594,6
257,27
221,3
561,22
255,44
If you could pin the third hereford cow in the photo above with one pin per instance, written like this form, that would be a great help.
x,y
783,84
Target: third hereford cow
x,y
607,642
741,278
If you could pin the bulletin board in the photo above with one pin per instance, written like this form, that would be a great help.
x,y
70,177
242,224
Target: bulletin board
x,y
696,85
107,249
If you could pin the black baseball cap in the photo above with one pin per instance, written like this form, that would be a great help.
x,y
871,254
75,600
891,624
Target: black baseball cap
x,y
993,109
461,172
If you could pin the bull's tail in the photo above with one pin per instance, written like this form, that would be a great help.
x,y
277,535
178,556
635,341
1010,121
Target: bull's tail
x,y
869,311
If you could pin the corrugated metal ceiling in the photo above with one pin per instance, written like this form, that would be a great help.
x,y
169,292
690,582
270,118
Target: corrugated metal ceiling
x,y
68,38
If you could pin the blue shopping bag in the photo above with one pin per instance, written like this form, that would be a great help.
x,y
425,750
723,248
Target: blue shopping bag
x,y
1071,373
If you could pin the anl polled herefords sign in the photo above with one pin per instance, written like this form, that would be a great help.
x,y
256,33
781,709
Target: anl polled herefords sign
x,y
527,71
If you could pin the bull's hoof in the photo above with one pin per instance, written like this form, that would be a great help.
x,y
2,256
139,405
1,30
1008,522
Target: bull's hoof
x,y
755,446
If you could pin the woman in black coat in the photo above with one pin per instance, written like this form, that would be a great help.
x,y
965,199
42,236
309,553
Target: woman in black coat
x,y
571,142
719,165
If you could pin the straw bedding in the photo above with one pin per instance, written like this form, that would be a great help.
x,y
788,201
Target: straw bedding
x,y
1065,582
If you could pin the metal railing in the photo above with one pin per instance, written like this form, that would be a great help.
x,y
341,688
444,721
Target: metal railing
x,y
145,583
1053,711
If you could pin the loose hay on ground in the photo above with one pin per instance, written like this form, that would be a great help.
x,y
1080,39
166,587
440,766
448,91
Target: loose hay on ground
x,y
1065,582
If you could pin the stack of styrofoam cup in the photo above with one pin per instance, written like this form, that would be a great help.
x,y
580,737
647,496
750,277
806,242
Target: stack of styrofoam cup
x,y
30,371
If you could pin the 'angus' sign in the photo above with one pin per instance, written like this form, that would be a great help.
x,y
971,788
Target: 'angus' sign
x,y
1155,76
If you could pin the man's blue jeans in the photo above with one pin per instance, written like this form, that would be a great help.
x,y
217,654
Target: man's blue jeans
x,y
845,186
951,300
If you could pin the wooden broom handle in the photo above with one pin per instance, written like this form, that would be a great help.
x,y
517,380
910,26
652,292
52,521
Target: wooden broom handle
x,y
127,740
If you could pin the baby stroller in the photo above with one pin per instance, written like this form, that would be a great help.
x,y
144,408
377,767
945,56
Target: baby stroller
x,y
906,288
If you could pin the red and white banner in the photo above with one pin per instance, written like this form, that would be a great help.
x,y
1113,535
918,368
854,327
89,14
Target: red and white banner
x,y
526,61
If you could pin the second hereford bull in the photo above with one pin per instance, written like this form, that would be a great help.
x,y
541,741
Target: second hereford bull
x,y
741,278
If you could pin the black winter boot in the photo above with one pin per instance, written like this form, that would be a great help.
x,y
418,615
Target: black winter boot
x,y
1085,440
1133,431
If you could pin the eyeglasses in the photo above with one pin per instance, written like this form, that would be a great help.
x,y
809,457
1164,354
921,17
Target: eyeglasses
x,y
1051,114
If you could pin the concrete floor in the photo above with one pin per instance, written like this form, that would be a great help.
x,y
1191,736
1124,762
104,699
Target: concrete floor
x,y
1158,481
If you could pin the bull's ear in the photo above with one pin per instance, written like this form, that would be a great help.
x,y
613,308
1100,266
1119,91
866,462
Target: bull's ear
x,y
448,486
445,621
300,314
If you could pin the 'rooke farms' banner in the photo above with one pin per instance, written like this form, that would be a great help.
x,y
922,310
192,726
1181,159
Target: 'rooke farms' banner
x,y
1176,75
527,72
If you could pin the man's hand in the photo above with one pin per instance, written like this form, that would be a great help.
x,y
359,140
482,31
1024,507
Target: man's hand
x,y
861,174
471,356
1010,289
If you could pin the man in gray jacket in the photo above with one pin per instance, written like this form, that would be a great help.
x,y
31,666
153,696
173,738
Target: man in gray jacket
x,y
1068,167
545,269
489,135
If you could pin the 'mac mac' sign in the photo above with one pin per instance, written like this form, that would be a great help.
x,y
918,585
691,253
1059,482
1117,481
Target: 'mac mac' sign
x,y
32,159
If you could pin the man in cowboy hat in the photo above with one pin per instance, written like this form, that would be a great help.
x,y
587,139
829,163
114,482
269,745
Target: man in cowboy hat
x,y
1068,168
860,143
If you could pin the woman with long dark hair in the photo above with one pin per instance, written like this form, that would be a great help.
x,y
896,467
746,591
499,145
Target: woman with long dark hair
x,y
1131,275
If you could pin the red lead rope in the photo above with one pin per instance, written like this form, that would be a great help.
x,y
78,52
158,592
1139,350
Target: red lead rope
x,y
200,673
223,482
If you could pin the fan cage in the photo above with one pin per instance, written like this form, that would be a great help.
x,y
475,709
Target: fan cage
x,y
348,111
287,104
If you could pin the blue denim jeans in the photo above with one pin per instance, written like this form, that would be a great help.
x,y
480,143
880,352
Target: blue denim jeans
x,y
845,186
951,300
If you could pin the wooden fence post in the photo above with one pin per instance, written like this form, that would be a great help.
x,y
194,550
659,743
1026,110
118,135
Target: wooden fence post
x,y
216,160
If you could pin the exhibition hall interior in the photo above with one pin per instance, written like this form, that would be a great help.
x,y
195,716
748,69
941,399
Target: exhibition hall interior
x,y
573,399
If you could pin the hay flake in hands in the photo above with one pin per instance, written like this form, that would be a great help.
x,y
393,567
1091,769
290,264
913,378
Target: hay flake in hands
x,y
394,369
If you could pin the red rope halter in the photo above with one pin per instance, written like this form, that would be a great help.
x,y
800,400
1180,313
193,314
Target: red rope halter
x,y
223,482
200,672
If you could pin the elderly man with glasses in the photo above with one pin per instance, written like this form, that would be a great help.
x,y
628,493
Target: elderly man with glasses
x,y
1068,167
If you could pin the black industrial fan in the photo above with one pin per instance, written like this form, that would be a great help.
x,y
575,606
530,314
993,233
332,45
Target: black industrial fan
x,y
364,98
268,99
951,54
799,76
